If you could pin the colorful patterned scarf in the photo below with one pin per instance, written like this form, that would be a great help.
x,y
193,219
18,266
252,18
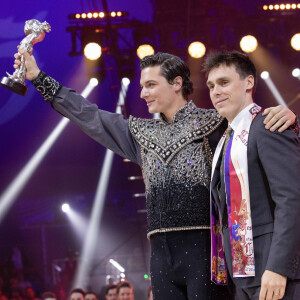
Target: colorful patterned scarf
x,y
238,203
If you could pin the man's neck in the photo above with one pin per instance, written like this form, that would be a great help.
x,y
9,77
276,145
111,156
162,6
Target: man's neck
x,y
232,117
174,109
239,117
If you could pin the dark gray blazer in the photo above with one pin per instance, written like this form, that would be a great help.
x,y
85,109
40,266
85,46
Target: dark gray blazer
x,y
274,183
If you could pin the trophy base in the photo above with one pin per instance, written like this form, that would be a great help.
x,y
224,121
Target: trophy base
x,y
14,86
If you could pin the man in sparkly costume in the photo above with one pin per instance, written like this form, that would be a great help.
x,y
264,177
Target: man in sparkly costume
x,y
175,153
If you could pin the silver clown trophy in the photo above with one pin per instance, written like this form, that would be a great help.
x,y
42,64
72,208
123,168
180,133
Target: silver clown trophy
x,y
35,32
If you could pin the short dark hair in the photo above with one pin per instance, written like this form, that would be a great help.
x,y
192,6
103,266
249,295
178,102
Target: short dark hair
x,y
241,61
48,295
90,293
123,284
110,287
78,290
171,66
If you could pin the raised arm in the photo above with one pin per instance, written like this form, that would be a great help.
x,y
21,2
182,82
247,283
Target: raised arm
x,y
109,129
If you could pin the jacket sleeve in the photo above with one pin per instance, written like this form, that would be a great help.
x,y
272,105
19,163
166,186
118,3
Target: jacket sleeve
x,y
109,129
279,154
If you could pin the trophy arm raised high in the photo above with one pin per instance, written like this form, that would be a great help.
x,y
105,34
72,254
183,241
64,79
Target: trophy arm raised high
x,y
35,32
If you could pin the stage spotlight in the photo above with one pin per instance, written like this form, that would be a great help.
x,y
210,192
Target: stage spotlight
x,y
295,41
125,82
145,40
276,6
294,6
196,49
144,50
282,6
270,84
248,43
265,75
96,15
65,207
265,7
296,73
94,82
288,6
92,51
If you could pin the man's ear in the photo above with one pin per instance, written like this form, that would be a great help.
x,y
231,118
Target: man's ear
x,y
250,82
177,83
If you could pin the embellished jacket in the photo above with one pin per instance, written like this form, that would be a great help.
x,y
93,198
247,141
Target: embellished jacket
x,y
175,157
176,164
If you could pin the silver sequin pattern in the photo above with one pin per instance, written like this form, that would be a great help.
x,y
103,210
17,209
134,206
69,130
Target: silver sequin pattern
x,y
176,167
46,86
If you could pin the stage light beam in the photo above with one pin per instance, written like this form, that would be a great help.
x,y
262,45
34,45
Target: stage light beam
x,y
10,194
117,265
89,244
270,84
78,223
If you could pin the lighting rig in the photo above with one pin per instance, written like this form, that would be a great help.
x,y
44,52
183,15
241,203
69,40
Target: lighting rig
x,y
96,34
